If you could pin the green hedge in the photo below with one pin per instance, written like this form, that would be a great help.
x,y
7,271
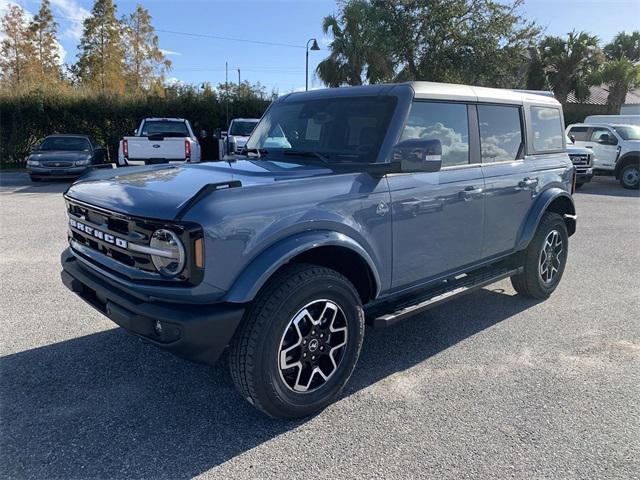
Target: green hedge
x,y
24,119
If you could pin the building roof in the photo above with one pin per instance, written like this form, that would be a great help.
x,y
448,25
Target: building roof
x,y
598,96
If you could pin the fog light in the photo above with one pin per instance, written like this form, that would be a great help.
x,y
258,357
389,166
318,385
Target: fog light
x,y
157,327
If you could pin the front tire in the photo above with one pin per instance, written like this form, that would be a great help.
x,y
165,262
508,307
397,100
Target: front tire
x,y
299,342
630,176
544,259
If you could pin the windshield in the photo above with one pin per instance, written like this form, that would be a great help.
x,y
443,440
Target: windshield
x,y
73,144
242,129
338,129
628,132
166,128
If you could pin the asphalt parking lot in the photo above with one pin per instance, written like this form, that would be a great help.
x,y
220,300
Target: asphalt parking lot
x,y
489,386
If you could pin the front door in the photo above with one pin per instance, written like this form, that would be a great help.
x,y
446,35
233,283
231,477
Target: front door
x,y
605,152
437,217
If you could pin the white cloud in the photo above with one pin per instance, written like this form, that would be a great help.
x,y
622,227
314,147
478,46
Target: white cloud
x,y
173,82
74,14
170,52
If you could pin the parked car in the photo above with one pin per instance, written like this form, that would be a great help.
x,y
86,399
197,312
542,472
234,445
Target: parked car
x,y
582,159
160,140
65,156
239,132
616,149
388,200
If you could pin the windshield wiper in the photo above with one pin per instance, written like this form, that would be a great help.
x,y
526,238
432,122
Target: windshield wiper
x,y
306,153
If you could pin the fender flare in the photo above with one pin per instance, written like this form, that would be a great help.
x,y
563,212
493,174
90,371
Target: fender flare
x,y
623,159
267,262
540,206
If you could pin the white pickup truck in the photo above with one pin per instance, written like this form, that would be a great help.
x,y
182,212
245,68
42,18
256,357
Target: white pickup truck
x,y
160,140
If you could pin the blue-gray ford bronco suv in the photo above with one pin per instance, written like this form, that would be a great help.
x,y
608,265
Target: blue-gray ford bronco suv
x,y
347,206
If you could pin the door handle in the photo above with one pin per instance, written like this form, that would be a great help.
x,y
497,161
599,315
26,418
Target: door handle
x,y
588,146
528,182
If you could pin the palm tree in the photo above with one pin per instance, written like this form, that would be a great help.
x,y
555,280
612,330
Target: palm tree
x,y
356,52
621,73
570,64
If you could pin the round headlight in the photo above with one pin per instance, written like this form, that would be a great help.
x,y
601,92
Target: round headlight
x,y
169,255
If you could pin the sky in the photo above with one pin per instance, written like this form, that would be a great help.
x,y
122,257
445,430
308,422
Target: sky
x,y
289,24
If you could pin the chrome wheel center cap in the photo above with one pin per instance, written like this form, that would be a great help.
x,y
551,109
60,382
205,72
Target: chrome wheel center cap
x,y
313,345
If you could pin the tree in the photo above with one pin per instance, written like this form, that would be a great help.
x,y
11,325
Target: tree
x,y
145,64
43,30
356,53
16,50
621,72
463,41
570,65
625,45
101,61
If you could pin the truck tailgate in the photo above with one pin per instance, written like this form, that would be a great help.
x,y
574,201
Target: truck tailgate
x,y
169,148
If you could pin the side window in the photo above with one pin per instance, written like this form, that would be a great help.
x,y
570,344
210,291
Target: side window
x,y
500,133
579,133
547,129
447,122
597,133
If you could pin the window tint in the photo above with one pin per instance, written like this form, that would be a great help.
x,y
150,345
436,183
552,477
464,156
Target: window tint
x,y
447,122
597,134
74,144
164,127
341,129
547,129
500,133
579,133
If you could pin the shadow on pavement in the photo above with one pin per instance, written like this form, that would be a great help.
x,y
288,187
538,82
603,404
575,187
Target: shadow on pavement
x,y
109,406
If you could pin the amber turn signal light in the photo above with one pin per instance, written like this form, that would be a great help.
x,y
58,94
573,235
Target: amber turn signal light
x,y
199,252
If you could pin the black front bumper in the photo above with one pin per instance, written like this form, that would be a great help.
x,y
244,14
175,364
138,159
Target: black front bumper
x,y
584,175
196,332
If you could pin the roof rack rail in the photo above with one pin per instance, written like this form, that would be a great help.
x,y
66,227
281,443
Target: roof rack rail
x,y
545,93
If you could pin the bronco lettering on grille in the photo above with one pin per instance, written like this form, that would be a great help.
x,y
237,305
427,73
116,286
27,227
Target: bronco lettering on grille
x,y
100,235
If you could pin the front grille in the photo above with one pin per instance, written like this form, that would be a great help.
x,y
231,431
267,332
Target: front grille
x,y
581,162
110,234
55,164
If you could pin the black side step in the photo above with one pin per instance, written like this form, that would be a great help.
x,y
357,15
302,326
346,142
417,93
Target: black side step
x,y
448,290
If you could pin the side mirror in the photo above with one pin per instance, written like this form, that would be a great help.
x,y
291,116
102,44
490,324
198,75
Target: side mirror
x,y
572,138
135,132
607,139
417,155
217,134
224,133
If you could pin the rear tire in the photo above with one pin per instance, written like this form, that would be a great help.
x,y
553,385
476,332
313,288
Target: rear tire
x,y
630,176
299,342
544,259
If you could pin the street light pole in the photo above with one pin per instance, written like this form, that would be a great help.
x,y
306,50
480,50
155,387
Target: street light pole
x,y
306,70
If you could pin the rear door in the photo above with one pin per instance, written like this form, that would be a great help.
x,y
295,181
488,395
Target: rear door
x,y
509,184
438,217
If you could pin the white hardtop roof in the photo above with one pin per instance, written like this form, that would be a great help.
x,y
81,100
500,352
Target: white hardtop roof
x,y
452,91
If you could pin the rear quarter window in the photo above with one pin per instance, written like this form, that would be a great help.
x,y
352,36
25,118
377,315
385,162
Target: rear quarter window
x,y
546,127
